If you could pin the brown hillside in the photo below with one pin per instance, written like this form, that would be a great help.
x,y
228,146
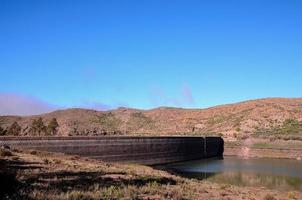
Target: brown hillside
x,y
234,120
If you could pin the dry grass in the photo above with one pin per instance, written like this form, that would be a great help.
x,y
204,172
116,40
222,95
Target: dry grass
x,y
58,176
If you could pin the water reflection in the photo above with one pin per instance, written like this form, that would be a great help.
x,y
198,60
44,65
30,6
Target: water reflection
x,y
278,174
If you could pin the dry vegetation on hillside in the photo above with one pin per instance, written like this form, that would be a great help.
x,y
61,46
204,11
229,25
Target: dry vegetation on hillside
x,y
259,118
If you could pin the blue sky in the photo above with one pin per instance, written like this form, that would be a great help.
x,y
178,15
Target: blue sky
x,y
145,54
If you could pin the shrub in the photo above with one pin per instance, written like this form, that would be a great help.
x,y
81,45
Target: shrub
x,y
14,129
109,122
225,186
2,131
52,127
291,195
57,161
138,120
290,129
33,152
78,195
46,161
269,197
15,158
5,152
111,192
38,127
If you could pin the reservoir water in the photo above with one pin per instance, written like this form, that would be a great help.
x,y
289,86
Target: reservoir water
x,y
281,174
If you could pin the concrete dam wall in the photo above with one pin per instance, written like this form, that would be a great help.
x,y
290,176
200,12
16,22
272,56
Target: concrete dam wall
x,y
143,150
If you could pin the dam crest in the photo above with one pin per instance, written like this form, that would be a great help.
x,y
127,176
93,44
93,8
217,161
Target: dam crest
x,y
130,149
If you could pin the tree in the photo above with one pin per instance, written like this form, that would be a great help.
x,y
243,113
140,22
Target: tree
x,y
38,126
2,131
14,129
52,127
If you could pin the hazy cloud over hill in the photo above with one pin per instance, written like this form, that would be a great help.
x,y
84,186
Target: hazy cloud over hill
x,y
96,106
158,97
16,104
187,94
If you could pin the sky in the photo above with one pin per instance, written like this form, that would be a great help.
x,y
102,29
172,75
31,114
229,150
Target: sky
x,y
147,53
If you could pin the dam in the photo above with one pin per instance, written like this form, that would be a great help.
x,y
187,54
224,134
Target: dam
x,y
130,149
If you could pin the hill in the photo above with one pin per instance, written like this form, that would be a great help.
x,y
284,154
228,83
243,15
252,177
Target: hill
x,y
277,117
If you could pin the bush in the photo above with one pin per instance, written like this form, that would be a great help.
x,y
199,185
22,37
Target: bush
x,y
37,127
14,129
52,127
2,131
111,192
290,129
269,197
291,195
46,161
5,152
109,122
78,195
33,152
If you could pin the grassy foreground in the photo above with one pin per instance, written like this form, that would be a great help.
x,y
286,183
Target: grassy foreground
x,y
43,175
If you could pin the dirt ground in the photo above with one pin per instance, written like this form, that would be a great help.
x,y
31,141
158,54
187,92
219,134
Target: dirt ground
x,y
43,175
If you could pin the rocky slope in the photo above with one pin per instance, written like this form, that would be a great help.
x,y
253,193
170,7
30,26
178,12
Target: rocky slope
x,y
243,119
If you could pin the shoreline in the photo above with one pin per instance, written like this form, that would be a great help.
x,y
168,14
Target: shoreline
x,y
253,152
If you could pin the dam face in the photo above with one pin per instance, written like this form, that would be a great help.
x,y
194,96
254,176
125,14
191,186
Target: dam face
x,y
142,150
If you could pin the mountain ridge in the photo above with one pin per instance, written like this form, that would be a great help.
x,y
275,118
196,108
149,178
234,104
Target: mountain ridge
x,y
230,120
